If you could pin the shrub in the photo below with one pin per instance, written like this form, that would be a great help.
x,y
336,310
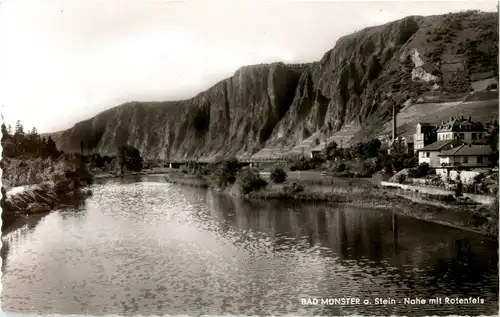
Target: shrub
x,y
249,181
278,175
479,178
225,173
293,188
370,166
129,157
420,171
303,164
401,178
458,189
342,167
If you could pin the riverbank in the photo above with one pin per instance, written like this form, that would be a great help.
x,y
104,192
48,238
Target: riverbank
x,y
102,174
58,187
475,218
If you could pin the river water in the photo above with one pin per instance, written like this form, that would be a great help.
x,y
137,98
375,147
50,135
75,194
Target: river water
x,y
143,246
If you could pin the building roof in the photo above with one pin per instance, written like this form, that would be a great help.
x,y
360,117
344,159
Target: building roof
x,y
468,150
424,124
438,145
460,124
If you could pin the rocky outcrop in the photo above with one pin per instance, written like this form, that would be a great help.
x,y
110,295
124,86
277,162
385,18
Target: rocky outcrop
x,y
279,106
45,197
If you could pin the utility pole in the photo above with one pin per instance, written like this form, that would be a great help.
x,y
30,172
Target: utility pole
x,y
393,121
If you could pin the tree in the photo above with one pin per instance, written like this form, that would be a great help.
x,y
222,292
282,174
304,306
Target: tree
x,y
225,173
493,140
278,175
129,157
18,140
4,130
51,148
330,150
19,128
372,147
33,144
459,187
7,148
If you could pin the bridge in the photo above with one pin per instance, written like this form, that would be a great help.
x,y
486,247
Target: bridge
x,y
242,161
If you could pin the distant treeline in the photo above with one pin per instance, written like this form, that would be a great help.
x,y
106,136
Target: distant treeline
x,y
21,144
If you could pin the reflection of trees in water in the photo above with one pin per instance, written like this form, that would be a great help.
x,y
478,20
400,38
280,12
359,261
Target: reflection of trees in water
x,y
350,233
372,236
4,252
18,232
466,263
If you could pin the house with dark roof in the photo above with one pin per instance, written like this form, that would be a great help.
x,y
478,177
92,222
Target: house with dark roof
x,y
430,153
461,128
317,151
425,134
467,155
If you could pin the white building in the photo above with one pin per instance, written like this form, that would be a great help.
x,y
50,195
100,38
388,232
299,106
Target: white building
x,y
462,129
467,155
425,134
430,154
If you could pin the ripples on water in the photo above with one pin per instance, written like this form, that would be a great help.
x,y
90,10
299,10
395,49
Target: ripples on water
x,y
155,248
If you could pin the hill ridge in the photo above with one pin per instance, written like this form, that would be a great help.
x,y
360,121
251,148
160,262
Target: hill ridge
x,y
281,106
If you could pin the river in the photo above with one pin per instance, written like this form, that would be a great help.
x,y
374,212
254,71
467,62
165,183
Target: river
x,y
143,246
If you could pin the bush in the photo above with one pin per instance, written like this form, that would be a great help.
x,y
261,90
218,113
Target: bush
x,y
129,157
370,166
420,171
249,181
342,167
303,164
225,173
293,188
401,178
278,175
479,178
458,189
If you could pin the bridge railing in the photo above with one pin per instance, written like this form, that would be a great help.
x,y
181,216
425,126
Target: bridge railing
x,y
249,160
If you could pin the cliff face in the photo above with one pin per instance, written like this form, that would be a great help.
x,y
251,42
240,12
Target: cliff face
x,y
278,105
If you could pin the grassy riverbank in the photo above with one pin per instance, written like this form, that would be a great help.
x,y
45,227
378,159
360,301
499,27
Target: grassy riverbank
x,y
480,219
51,184
359,192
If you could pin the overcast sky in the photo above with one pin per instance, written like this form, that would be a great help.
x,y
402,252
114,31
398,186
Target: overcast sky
x,y
65,61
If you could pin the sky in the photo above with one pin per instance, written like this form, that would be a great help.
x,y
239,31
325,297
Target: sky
x,y
65,61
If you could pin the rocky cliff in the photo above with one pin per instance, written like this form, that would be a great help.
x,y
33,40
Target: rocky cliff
x,y
280,106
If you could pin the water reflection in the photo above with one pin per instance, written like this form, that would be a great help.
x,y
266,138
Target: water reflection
x,y
144,247
423,259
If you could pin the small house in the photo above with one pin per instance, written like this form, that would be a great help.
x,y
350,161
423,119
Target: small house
x,y
430,153
467,155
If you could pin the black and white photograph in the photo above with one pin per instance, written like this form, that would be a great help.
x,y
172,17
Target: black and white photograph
x,y
249,158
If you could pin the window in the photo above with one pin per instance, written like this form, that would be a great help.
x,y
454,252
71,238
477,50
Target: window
x,y
461,136
427,154
474,136
480,135
480,160
465,159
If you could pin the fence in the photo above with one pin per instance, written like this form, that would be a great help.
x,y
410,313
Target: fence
x,y
482,199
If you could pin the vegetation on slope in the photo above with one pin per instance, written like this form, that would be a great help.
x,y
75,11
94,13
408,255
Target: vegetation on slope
x,y
278,106
28,159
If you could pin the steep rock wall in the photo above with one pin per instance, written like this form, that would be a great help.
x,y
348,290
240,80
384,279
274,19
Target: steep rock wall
x,y
279,106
